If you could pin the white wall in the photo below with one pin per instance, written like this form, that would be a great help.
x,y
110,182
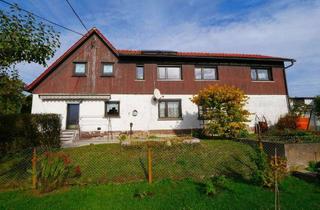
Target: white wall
x,y
55,107
92,112
270,106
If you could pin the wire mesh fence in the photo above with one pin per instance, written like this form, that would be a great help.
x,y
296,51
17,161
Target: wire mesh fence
x,y
122,164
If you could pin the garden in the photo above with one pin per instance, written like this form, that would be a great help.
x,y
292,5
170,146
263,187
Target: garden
x,y
168,173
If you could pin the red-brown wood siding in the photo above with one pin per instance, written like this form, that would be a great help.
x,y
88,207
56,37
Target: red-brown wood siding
x,y
94,51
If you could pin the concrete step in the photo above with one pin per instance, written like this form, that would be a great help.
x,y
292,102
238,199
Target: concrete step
x,y
68,132
68,136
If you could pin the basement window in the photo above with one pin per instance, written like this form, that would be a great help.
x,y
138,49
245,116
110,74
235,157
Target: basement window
x,y
261,74
170,109
80,68
112,108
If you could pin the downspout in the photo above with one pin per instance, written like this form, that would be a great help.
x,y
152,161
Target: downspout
x,y
292,61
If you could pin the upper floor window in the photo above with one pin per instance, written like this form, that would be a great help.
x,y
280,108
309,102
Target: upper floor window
x,y
169,73
205,73
139,73
112,109
80,68
170,109
107,69
258,74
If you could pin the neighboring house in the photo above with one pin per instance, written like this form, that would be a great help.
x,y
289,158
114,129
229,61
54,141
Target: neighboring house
x,y
96,87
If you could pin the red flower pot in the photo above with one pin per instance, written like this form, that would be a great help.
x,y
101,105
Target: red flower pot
x,y
302,123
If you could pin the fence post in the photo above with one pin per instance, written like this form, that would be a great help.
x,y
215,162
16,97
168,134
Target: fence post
x,y
34,168
149,165
276,188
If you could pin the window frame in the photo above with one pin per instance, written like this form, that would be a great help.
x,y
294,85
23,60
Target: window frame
x,y
143,75
166,109
257,79
166,72
202,77
102,69
105,109
75,67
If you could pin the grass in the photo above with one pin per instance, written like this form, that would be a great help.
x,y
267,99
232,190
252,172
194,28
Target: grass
x,y
118,164
166,194
113,163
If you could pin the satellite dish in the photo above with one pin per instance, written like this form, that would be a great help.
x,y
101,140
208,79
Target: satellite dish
x,y
156,94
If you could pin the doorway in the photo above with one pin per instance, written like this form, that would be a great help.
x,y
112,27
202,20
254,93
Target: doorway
x,y
72,116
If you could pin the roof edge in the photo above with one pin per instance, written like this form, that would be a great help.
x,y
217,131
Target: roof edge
x,y
139,53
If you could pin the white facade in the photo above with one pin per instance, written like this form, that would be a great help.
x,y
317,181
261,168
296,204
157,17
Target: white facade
x,y
91,112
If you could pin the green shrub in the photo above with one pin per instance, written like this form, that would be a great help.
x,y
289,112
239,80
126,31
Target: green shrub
x,y
209,188
261,175
53,170
314,166
223,110
264,173
20,131
214,185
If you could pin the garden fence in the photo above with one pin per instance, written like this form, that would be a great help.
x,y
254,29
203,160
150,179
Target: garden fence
x,y
114,163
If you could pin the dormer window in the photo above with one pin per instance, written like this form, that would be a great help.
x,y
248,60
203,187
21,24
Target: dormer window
x,y
107,69
80,68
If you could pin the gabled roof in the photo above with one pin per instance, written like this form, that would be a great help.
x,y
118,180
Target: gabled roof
x,y
157,53
44,74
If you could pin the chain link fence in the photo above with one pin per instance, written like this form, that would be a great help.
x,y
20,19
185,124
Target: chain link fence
x,y
136,162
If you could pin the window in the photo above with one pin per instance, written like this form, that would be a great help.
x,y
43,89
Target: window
x,y
261,74
169,73
205,73
170,109
80,68
107,69
112,109
139,73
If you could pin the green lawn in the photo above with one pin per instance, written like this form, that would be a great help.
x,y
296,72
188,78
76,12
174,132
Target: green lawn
x,y
113,163
166,194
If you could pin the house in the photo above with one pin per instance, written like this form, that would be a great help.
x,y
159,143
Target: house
x,y
97,88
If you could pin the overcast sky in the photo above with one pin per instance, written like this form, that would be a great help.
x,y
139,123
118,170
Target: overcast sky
x,y
287,28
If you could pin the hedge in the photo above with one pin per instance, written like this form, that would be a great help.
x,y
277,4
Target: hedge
x,y
21,131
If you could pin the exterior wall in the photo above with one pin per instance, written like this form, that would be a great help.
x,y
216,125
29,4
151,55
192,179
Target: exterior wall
x,y
92,112
94,52
272,107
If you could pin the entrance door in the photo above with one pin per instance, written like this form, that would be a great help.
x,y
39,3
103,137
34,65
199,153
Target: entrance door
x,y
72,116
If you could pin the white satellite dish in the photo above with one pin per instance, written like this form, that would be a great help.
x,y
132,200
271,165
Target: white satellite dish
x,y
156,94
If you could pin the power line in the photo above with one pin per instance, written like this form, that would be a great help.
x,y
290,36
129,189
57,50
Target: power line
x,y
38,16
77,15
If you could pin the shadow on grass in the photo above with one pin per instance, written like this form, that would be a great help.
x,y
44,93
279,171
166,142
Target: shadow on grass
x,y
144,168
238,169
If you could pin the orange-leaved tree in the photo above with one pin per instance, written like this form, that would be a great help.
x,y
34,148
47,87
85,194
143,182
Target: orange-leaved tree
x,y
223,110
